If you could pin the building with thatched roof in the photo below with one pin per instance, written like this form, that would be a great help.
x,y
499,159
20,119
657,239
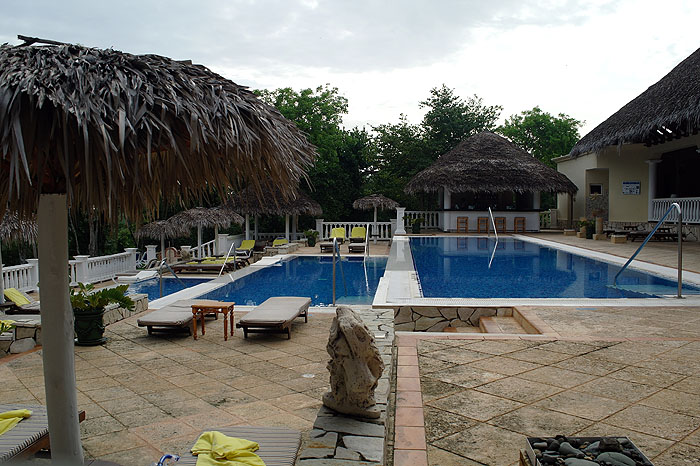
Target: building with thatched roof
x,y
632,166
488,171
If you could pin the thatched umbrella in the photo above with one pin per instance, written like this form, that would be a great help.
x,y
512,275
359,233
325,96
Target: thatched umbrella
x,y
201,217
374,201
161,229
273,203
15,228
489,163
667,110
116,132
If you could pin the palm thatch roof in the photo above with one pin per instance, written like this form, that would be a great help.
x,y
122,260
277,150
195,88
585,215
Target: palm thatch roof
x,y
374,200
15,228
161,228
205,217
117,131
273,203
669,109
487,162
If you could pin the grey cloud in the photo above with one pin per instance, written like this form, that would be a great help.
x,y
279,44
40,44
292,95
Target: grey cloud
x,y
361,35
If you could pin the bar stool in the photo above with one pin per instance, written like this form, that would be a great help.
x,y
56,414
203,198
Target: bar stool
x,y
519,224
482,224
462,224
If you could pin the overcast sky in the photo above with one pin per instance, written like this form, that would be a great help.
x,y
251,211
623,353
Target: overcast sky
x,y
583,58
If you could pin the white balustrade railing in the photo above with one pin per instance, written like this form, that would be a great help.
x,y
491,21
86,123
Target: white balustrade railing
x,y
23,277
207,249
384,230
690,206
431,219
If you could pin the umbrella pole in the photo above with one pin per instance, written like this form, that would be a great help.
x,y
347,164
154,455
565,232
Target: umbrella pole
x,y
199,242
256,227
162,246
57,331
247,226
216,240
2,280
286,227
375,225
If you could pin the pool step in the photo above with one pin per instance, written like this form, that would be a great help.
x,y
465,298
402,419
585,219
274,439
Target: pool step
x,y
496,324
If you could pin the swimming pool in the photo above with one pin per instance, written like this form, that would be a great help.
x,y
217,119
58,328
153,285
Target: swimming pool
x,y
151,287
458,267
307,276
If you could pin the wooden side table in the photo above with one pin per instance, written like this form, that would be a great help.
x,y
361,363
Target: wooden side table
x,y
203,307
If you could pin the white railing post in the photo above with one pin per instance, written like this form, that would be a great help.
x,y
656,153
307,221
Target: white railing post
x,y
131,260
81,269
223,242
319,228
400,229
34,273
151,252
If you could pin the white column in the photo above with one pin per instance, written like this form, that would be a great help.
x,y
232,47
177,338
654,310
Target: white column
x,y
255,233
286,227
57,331
319,228
132,257
447,199
200,254
536,200
222,243
150,252
295,225
81,269
400,230
652,187
247,226
162,246
2,281
216,237
34,272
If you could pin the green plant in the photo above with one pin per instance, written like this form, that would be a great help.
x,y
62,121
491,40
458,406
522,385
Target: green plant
x,y
417,221
86,299
6,325
311,234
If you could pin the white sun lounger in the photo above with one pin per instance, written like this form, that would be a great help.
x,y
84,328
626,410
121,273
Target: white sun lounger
x,y
177,315
275,315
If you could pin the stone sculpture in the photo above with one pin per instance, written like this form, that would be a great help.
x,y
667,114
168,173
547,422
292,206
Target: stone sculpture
x,y
355,366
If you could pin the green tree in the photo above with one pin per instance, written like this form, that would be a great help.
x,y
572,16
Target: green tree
x,y
336,177
451,119
543,135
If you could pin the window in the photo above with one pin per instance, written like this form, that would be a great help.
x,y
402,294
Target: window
x,y
595,189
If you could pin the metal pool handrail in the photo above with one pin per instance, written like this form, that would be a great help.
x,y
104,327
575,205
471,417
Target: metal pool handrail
x,y
493,254
336,249
228,254
680,247
164,262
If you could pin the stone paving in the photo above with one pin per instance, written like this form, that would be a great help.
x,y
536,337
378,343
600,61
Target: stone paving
x,y
147,395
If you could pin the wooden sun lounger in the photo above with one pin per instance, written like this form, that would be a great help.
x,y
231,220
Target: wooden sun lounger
x,y
278,445
29,436
275,315
172,317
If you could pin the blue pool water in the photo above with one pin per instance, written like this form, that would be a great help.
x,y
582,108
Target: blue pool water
x,y
307,276
452,267
151,287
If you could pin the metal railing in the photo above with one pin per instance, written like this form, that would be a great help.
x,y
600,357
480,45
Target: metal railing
x,y
336,250
676,207
495,232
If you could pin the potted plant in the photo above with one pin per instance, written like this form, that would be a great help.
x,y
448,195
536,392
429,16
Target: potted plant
x,y
89,308
587,227
311,237
415,225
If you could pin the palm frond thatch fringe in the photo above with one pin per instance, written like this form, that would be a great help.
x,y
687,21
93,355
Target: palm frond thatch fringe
x,y
159,228
374,200
668,109
271,202
203,217
489,163
118,132
15,228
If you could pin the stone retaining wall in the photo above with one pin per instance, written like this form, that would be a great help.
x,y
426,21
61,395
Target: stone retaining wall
x,y
341,440
435,319
27,332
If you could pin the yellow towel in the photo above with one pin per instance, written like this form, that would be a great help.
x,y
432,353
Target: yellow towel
x,y
14,295
9,419
216,449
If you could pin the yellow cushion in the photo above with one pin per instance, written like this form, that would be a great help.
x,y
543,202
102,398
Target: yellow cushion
x,y
358,232
279,242
247,244
14,295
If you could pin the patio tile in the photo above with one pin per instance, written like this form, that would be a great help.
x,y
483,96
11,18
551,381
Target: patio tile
x,y
643,375
517,389
409,438
457,355
285,419
156,432
186,408
439,457
409,417
206,420
678,454
111,393
538,356
540,422
133,456
617,389
142,417
100,425
673,400
166,397
499,347
410,399
407,371
301,384
477,444
247,381
110,443
688,385
429,365
466,376
575,348
254,410
653,421
439,423
590,365
475,405
410,458
434,388
408,384
407,351
503,365
94,384
125,404
582,404
556,376
294,401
